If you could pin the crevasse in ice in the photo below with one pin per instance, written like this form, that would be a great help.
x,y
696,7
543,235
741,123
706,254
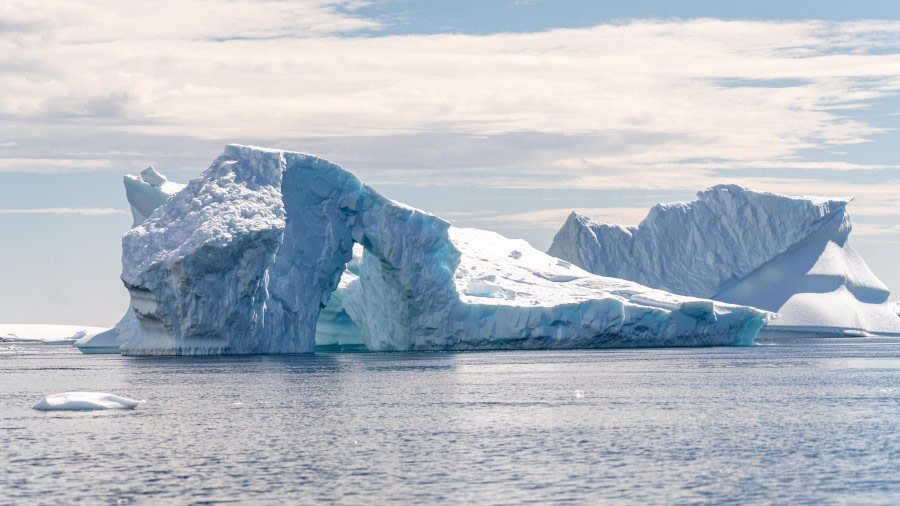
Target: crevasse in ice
x,y
780,253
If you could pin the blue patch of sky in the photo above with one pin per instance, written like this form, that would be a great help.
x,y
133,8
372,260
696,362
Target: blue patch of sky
x,y
62,268
481,17
66,189
879,148
737,82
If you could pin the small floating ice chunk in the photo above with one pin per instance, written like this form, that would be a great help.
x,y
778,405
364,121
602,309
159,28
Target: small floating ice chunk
x,y
84,401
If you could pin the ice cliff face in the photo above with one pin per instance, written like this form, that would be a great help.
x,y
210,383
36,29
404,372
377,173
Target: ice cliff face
x,y
250,258
147,192
779,253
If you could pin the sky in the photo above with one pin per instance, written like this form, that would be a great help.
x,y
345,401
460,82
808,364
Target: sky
x,y
504,115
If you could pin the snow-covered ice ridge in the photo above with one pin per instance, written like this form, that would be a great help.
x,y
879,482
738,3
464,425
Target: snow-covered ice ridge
x,y
780,253
246,256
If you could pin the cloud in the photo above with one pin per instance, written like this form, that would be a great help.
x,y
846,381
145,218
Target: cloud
x,y
554,218
868,230
82,211
641,105
224,78
109,22
51,165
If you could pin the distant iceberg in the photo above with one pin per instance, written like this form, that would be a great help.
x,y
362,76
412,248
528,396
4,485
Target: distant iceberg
x,y
46,333
785,254
252,257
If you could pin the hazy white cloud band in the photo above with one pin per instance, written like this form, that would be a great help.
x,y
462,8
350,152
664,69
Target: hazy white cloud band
x,y
83,211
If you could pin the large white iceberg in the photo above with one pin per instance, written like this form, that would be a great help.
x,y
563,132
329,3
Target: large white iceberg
x,y
244,259
145,193
785,254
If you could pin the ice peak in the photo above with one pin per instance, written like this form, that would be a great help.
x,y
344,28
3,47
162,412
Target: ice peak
x,y
153,178
147,192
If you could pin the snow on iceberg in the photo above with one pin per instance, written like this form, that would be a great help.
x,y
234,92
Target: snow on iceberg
x,y
84,401
785,254
244,259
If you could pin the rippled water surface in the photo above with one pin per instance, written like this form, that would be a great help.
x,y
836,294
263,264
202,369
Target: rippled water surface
x,y
804,421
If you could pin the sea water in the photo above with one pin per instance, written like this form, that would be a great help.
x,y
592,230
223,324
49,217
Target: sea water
x,y
801,421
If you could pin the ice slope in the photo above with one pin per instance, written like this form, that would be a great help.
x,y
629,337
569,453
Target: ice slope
x,y
109,340
50,334
785,254
147,192
246,256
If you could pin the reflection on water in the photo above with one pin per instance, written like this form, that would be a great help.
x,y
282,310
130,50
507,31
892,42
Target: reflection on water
x,y
804,420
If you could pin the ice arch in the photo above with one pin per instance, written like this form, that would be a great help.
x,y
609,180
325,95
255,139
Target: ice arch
x,y
244,259
327,210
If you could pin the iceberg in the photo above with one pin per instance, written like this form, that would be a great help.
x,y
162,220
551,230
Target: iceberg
x,y
789,255
46,333
84,401
257,256
145,193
